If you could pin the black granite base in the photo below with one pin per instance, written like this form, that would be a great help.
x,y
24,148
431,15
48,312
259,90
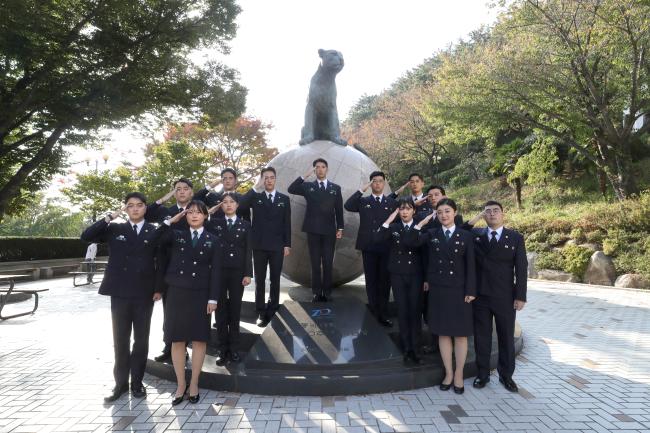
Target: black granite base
x,y
336,348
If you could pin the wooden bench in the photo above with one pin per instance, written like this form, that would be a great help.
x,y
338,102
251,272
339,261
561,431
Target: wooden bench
x,y
89,269
11,280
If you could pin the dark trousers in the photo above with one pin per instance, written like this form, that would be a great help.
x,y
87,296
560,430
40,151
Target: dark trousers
x,y
274,260
229,308
407,291
375,268
321,253
129,314
503,313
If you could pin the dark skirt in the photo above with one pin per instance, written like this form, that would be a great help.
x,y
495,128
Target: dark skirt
x,y
186,317
448,313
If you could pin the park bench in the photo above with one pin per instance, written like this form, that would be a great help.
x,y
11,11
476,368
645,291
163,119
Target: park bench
x,y
88,269
11,280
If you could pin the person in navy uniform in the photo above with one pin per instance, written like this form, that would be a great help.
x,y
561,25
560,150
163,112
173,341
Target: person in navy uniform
x,y
157,212
271,240
212,197
502,273
416,185
373,210
452,287
235,237
323,224
405,267
129,281
193,286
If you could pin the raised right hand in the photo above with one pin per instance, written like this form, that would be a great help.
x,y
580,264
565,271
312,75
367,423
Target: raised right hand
x,y
176,218
401,188
391,217
309,173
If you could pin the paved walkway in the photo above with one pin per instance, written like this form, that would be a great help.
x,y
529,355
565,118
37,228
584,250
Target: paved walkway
x,y
585,367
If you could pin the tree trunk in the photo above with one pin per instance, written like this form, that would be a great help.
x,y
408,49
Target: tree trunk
x,y
602,181
517,182
11,189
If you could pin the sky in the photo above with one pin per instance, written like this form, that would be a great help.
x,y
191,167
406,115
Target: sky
x,y
276,54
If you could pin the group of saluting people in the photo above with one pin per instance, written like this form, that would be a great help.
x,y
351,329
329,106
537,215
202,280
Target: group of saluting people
x,y
198,255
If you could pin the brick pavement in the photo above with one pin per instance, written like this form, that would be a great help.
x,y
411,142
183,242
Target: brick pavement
x,y
585,367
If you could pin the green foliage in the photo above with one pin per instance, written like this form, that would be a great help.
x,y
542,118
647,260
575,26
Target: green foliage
x,y
578,235
550,260
537,166
40,248
576,259
47,219
557,239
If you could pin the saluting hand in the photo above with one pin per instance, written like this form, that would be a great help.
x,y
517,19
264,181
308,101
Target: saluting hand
x,y
211,308
176,218
309,173
166,197
425,220
214,208
365,187
401,188
421,201
469,299
215,182
392,217
117,213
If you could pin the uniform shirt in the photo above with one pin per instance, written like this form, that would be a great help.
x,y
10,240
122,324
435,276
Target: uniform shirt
x,y
488,232
138,225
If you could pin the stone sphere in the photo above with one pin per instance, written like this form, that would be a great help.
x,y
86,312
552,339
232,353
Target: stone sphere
x,y
348,168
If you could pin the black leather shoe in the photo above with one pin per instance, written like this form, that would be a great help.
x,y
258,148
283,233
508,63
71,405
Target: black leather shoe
x,y
509,384
262,321
194,398
234,356
416,359
117,392
480,382
178,400
316,298
163,357
138,391
222,358
459,389
427,349
385,322
406,358
445,387
324,298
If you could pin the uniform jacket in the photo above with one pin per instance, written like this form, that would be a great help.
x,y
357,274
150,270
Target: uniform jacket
x,y
403,259
213,198
324,214
236,244
271,221
371,216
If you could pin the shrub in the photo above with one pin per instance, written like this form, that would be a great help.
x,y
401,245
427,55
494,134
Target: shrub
x,y
578,235
537,236
557,239
594,237
550,260
576,259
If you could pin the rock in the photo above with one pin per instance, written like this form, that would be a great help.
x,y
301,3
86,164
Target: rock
x,y
532,264
600,270
633,281
348,168
553,275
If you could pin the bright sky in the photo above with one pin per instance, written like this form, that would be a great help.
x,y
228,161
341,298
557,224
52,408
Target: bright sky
x,y
276,48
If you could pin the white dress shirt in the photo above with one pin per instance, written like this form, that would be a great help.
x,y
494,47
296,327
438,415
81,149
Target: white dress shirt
x,y
138,225
489,233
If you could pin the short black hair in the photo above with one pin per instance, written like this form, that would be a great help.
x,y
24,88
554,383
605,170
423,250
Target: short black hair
x,y
199,205
317,160
269,168
229,170
493,203
230,194
438,187
377,173
137,195
405,202
418,175
447,201
183,180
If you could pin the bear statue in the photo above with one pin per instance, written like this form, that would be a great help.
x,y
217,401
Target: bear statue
x,y
321,115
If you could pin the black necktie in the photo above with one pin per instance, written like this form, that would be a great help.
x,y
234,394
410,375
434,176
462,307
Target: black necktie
x,y
195,237
229,223
377,199
135,229
322,186
493,240
270,197
447,234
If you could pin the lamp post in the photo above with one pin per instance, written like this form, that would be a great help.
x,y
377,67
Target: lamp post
x,y
104,157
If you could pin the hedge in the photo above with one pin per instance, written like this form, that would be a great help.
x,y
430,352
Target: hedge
x,y
23,248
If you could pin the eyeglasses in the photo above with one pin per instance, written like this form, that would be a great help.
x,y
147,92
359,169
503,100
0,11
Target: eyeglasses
x,y
492,211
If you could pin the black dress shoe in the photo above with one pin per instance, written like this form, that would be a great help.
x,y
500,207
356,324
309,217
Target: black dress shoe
x,y
138,391
480,382
222,358
427,349
234,356
262,321
324,298
416,359
117,392
194,398
385,322
445,386
163,357
459,389
178,400
406,358
509,384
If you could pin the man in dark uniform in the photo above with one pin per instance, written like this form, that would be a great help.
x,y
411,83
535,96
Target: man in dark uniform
x,y
129,281
323,224
502,272
416,185
373,211
271,234
211,197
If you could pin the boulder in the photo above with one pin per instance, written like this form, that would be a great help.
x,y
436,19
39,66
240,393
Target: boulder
x,y
553,275
532,264
632,281
600,270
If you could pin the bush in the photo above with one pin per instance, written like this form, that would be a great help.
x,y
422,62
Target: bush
x,y
578,235
17,248
538,236
557,239
595,237
550,260
576,259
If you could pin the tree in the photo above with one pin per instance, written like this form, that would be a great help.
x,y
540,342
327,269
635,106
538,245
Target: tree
x,y
70,67
46,219
575,70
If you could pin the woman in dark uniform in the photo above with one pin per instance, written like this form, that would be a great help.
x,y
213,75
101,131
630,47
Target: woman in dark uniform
x,y
405,267
234,235
452,287
192,276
